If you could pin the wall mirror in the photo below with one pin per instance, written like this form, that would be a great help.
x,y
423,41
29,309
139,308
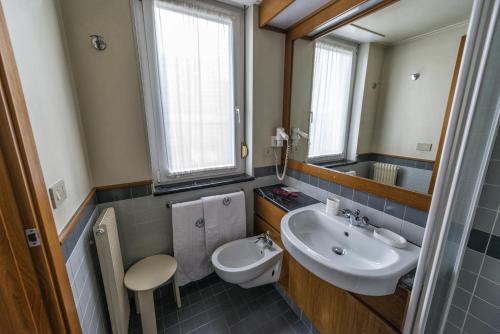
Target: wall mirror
x,y
373,95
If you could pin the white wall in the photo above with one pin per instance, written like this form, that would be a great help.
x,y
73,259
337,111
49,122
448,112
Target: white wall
x,y
109,89
370,98
268,74
411,112
300,107
48,89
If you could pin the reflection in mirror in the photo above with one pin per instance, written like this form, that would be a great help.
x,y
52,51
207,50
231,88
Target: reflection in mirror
x,y
372,95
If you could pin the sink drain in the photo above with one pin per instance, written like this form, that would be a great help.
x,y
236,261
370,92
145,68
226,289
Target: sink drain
x,y
338,250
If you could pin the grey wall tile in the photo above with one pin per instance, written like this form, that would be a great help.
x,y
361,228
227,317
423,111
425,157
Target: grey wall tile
x,y
472,260
449,328
360,197
461,298
490,197
415,216
475,326
484,219
413,233
376,202
486,312
394,209
456,316
346,192
334,188
314,181
467,280
493,174
494,247
324,184
491,269
478,240
488,291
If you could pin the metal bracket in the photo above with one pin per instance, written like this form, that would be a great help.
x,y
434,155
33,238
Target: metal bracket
x,y
33,237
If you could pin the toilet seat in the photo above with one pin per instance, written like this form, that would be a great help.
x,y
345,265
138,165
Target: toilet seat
x,y
247,262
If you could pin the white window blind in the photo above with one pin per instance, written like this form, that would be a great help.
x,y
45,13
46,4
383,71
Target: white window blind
x,y
192,72
330,99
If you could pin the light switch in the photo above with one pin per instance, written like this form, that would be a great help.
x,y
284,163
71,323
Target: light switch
x,y
424,147
57,193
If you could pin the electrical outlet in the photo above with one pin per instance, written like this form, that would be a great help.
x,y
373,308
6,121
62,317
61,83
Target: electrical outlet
x,y
268,151
57,194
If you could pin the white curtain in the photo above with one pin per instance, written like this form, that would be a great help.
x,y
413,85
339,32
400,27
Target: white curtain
x,y
196,81
331,89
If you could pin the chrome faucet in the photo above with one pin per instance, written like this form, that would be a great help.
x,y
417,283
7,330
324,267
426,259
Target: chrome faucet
x,y
355,219
266,239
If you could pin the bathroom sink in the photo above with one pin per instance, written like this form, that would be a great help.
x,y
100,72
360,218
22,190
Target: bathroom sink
x,y
346,256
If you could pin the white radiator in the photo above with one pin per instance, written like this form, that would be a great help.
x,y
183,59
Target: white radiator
x,y
110,260
385,173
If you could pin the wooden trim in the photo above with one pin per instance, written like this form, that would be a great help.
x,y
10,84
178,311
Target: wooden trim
x,y
269,9
446,119
408,197
401,157
124,185
355,17
72,222
274,29
18,146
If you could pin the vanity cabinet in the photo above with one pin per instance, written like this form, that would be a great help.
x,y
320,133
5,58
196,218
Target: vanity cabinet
x,y
331,309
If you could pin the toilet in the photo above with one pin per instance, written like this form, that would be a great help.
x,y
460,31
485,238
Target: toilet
x,y
248,262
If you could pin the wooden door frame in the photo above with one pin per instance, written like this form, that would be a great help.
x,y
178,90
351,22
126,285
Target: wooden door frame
x,y
18,147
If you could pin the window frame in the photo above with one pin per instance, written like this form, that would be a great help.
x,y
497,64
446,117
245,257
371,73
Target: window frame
x,y
143,16
355,48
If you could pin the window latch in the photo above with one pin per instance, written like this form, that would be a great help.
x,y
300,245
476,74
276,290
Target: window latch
x,y
32,236
244,150
237,110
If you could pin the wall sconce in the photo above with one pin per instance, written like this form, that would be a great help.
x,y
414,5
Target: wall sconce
x,y
415,76
98,42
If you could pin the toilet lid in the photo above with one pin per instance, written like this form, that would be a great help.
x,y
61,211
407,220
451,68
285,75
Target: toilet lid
x,y
150,273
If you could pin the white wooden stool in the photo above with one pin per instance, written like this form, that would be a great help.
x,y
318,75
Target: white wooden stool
x,y
145,276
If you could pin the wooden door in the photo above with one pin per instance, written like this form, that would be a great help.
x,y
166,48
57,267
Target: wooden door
x,y
22,308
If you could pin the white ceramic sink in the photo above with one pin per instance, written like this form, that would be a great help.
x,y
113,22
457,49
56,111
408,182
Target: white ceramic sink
x,y
367,266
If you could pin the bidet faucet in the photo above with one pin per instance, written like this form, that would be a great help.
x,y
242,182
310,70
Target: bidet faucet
x,y
266,239
355,219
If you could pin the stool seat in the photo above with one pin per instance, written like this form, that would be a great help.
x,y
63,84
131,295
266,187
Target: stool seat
x,y
145,276
150,273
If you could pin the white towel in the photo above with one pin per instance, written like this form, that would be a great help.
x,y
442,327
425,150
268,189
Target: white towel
x,y
225,219
193,262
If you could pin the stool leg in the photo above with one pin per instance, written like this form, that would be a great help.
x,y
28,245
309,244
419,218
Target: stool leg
x,y
136,298
147,310
177,294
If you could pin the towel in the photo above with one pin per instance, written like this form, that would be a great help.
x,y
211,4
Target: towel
x,y
225,219
193,262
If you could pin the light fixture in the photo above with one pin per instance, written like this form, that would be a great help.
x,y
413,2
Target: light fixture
x,y
345,16
98,42
415,76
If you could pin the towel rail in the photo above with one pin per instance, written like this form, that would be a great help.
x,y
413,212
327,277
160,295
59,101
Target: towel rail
x,y
170,203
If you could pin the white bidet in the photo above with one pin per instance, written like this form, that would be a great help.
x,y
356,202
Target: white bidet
x,y
248,262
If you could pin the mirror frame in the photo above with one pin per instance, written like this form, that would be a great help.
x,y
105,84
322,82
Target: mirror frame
x,y
300,30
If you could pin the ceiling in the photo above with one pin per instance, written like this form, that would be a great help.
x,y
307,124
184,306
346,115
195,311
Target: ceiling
x,y
409,18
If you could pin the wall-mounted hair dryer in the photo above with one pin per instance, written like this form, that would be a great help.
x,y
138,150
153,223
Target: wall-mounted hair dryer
x,y
281,136
297,133
277,141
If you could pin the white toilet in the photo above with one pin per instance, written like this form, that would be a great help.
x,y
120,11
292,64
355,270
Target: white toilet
x,y
248,262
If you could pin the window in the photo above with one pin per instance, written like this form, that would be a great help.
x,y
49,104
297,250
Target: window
x,y
191,58
330,100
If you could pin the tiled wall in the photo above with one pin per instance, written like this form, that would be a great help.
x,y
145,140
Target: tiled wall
x,y
404,220
84,275
476,303
145,222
